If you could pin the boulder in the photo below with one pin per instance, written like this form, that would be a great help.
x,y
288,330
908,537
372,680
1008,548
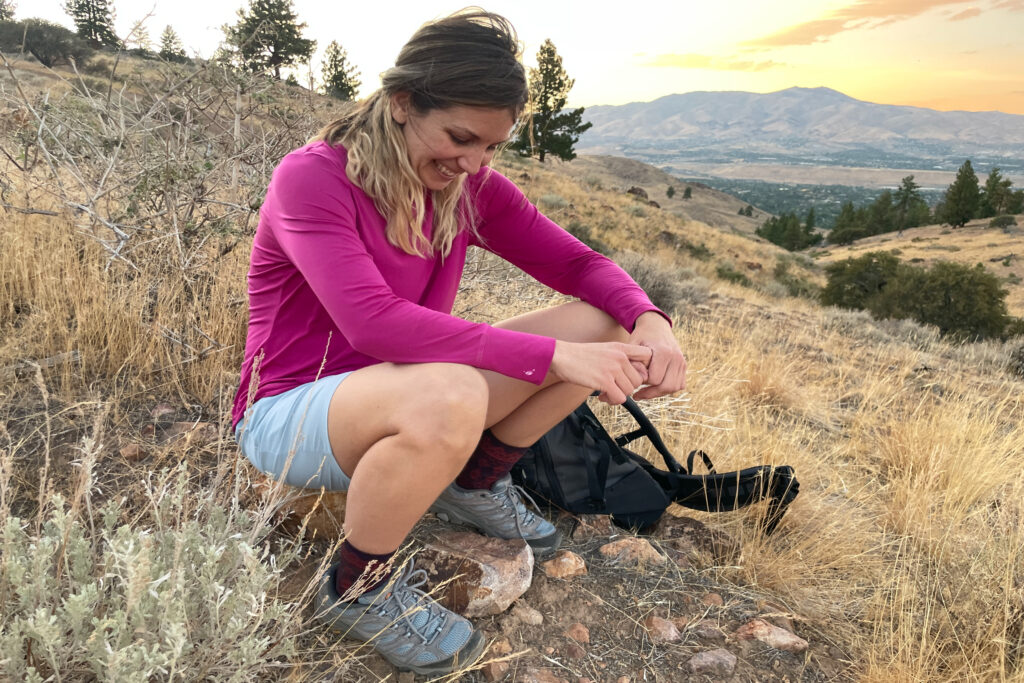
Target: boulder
x,y
477,576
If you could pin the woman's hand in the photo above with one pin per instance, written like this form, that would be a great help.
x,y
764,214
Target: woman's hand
x,y
666,371
613,368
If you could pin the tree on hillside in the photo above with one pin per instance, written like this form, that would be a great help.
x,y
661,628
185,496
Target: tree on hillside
x,y
267,37
49,43
670,192
341,78
138,38
171,47
94,21
785,230
550,128
7,10
688,192
960,202
911,208
996,195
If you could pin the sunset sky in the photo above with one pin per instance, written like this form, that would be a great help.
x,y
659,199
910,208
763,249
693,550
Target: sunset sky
x,y
942,54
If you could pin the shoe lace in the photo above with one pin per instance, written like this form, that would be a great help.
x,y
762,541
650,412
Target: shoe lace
x,y
406,600
513,496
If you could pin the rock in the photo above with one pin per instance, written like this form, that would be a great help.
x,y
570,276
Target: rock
x,y
480,575
622,679
540,676
661,630
712,600
771,635
495,671
579,633
707,630
632,551
692,538
752,265
191,434
565,565
161,410
527,615
322,512
777,614
500,647
653,203
133,452
591,526
637,192
574,651
718,662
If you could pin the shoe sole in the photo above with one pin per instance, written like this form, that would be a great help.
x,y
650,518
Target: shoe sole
x,y
542,547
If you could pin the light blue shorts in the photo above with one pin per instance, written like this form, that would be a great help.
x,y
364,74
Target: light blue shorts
x,y
288,433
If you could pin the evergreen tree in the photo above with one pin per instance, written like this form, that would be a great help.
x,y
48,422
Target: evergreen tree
x,y
341,78
551,128
1015,202
670,192
961,200
171,48
7,10
94,21
688,192
138,38
49,43
911,208
268,36
881,215
810,219
996,195
785,230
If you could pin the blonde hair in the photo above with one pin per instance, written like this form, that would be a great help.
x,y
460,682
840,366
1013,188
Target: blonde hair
x,y
470,58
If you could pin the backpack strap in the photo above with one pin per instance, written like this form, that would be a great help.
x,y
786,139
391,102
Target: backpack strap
x,y
647,429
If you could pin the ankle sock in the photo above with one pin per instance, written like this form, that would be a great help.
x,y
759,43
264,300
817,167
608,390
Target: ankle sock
x,y
359,572
491,461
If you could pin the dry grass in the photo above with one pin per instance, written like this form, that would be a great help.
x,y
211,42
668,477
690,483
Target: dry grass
x,y
905,549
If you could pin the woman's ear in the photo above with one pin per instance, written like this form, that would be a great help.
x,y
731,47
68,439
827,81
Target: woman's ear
x,y
400,107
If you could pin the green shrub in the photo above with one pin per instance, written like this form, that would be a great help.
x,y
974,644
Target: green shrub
x,y
853,283
727,272
583,233
636,210
51,44
1002,222
660,282
552,201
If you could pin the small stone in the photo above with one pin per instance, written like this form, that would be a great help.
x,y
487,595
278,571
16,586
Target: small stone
x,y
622,679
478,575
579,633
148,432
316,514
161,410
707,630
501,647
661,630
565,565
549,650
575,651
681,622
540,676
527,615
592,526
133,451
495,671
712,600
718,662
632,551
771,635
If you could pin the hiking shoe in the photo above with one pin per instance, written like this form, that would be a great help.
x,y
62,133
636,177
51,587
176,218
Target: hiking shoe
x,y
498,511
402,623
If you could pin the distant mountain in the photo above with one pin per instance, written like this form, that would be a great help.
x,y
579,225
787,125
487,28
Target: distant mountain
x,y
802,125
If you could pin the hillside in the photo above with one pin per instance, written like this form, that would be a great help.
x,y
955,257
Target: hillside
x,y
137,545
1000,251
706,205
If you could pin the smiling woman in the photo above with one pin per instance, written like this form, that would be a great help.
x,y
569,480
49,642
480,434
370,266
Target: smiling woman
x,y
358,377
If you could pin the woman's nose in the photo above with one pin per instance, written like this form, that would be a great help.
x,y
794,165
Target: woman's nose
x,y
472,161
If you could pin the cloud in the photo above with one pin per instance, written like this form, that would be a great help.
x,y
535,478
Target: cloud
x,y
695,61
861,14
966,14
1012,5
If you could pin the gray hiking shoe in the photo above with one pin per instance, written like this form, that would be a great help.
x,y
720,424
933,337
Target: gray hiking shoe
x,y
402,623
499,512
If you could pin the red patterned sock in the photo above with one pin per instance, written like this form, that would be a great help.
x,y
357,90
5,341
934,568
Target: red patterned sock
x,y
360,572
491,461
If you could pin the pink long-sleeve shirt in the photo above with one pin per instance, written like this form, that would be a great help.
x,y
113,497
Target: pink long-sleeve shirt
x,y
326,287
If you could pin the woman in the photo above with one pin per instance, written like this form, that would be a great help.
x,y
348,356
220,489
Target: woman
x,y
356,375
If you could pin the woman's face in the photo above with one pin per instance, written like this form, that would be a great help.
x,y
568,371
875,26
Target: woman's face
x,y
445,143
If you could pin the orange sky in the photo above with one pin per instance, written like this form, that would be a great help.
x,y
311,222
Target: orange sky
x,y
944,54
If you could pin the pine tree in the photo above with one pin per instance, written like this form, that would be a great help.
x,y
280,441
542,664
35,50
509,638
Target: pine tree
x,y
268,36
688,192
911,208
7,10
996,195
551,128
341,78
670,192
138,38
94,21
961,200
171,48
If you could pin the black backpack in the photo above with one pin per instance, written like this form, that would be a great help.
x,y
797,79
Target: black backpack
x,y
579,467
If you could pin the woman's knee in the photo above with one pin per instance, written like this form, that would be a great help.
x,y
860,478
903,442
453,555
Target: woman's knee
x,y
449,410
